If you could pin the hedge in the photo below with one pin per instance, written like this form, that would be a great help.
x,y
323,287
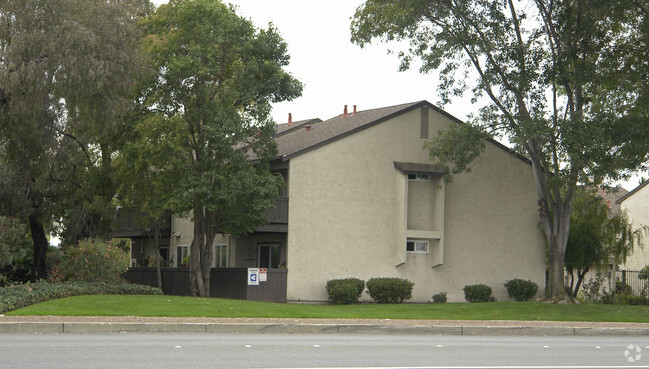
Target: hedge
x,y
477,293
20,295
345,291
389,290
521,290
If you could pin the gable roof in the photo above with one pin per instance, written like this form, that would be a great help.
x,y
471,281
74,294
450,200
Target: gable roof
x,y
314,133
323,132
633,191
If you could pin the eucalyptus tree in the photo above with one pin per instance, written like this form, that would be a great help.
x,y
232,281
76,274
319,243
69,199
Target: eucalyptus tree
x,y
565,80
208,109
67,68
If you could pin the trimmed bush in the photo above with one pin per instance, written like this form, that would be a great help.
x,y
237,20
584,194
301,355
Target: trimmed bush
x,y
345,291
389,290
477,293
21,295
439,298
521,290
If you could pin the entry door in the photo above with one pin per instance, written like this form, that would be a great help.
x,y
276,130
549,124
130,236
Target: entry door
x,y
269,255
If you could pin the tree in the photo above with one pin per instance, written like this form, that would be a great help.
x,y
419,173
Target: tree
x,y
566,83
215,77
597,236
12,249
66,72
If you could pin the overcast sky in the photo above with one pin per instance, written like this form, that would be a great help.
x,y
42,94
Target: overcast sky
x,y
336,72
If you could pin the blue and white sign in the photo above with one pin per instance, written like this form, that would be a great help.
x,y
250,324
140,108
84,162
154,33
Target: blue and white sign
x,y
253,276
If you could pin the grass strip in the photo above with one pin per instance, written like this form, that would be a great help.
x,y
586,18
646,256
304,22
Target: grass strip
x,y
177,306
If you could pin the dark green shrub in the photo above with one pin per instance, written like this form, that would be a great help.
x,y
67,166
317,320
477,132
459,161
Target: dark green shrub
x,y
20,295
389,290
622,288
439,298
345,291
90,261
521,290
477,293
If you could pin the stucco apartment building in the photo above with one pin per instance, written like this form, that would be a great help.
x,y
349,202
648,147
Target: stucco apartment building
x,y
363,200
636,204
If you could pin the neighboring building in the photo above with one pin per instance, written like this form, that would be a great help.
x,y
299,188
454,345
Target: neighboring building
x,y
362,200
636,204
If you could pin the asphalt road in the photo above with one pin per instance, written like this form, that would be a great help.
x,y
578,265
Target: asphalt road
x,y
161,351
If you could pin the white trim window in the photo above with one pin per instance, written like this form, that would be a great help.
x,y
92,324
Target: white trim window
x,y
182,251
417,246
220,256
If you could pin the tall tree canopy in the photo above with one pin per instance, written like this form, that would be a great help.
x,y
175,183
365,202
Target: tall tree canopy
x,y
567,82
66,72
207,132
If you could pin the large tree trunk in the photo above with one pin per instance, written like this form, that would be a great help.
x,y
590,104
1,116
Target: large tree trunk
x,y
554,209
557,237
39,266
555,288
200,253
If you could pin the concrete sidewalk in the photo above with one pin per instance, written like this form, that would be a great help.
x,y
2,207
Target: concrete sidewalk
x,y
86,325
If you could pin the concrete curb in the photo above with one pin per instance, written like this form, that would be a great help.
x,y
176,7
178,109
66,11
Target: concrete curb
x,y
282,328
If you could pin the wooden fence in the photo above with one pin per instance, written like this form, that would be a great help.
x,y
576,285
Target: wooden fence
x,y
224,282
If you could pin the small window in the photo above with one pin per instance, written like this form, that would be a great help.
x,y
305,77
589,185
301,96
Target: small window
x,y
182,252
424,122
418,177
420,247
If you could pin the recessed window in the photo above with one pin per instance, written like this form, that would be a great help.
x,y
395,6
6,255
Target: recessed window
x,y
182,252
418,177
269,255
419,247
220,257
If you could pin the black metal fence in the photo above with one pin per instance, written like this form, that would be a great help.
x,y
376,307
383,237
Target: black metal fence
x,y
632,279
224,282
629,277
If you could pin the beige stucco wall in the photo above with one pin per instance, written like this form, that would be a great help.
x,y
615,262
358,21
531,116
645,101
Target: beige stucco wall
x,y
637,206
348,210
182,229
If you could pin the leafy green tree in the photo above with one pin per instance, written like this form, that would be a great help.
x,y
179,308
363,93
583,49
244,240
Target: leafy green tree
x,y
67,68
597,237
566,83
208,106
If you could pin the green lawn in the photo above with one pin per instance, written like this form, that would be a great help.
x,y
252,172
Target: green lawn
x,y
175,306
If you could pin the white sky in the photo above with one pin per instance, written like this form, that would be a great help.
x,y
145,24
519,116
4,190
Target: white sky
x,y
336,72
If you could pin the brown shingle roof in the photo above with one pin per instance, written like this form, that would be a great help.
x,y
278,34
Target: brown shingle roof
x,y
284,128
628,194
418,168
321,133
613,196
